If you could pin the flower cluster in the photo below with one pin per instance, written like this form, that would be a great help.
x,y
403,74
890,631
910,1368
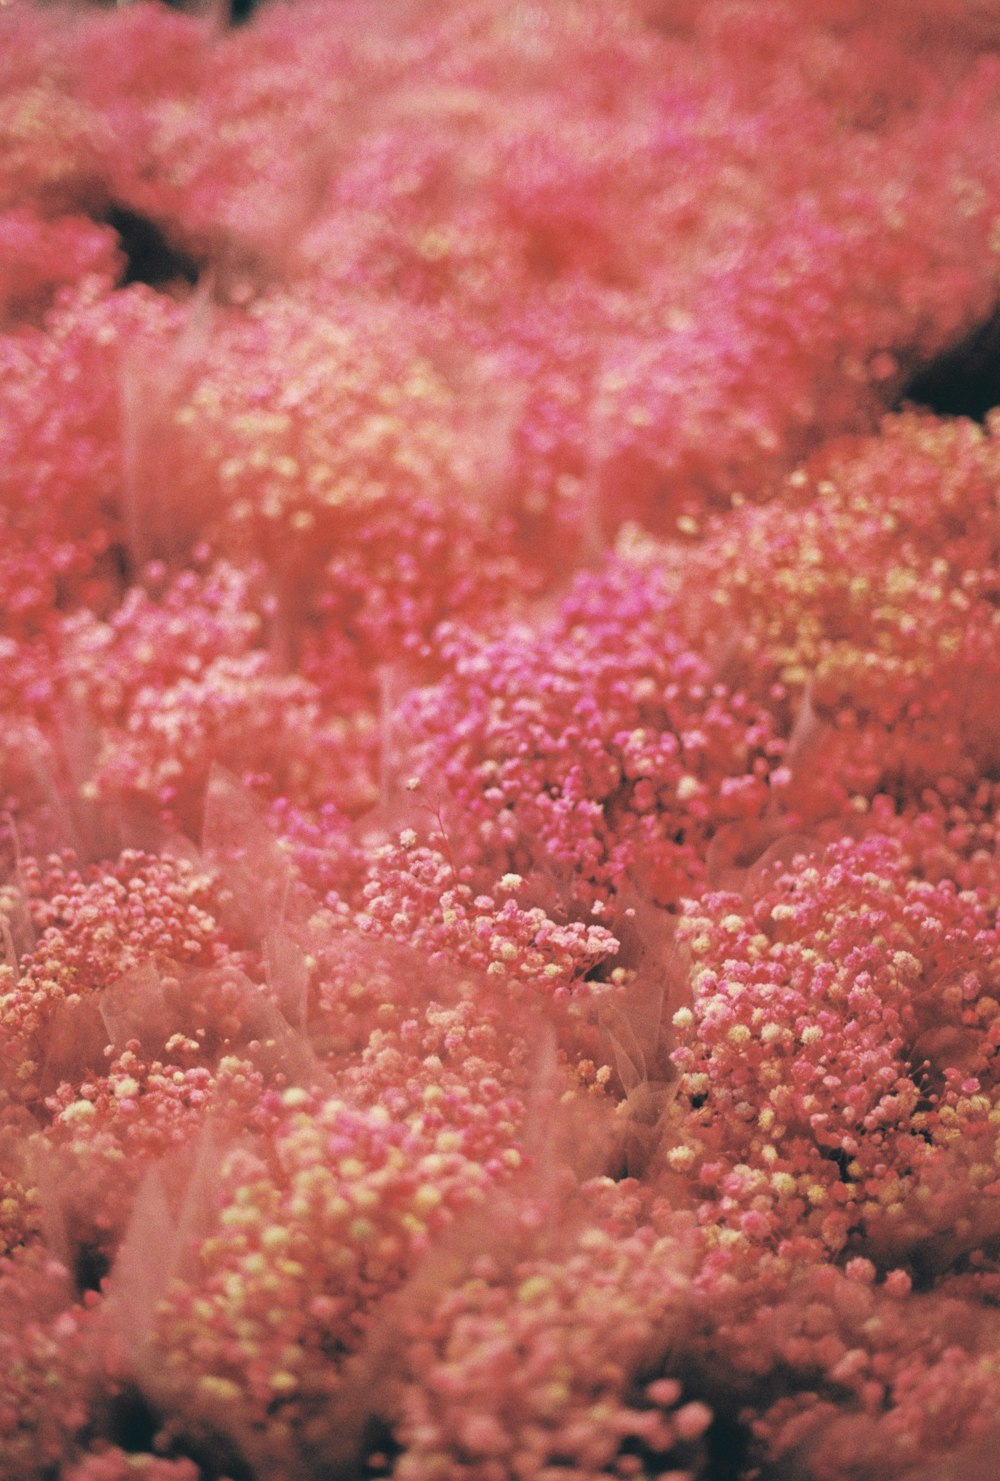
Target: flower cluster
x,y
838,1057
528,1366
775,592
599,746
46,1344
499,818
314,1219
415,897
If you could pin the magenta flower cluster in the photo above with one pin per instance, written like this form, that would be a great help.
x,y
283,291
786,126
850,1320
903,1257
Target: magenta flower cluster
x,y
499,744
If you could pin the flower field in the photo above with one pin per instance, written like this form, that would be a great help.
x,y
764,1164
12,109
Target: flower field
x,y
500,741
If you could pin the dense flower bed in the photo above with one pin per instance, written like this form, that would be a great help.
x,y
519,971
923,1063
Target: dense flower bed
x,y
499,742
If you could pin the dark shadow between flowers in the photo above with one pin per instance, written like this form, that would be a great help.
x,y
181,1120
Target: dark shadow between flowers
x,y
134,1424
149,256
727,1445
90,1266
238,12
964,380
132,1421
726,1449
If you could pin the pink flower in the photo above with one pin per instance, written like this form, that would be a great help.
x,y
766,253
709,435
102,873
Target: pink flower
x,y
499,905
